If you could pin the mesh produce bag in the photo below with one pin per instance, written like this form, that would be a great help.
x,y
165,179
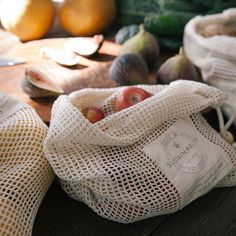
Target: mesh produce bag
x,y
25,173
152,158
215,56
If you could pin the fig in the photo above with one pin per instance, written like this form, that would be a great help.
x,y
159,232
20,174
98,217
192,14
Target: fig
x,y
85,46
144,44
49,79
129,69
63,57
36,86
175,68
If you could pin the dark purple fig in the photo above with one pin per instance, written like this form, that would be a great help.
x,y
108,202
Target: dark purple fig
x,y
129,69
177,67
144,44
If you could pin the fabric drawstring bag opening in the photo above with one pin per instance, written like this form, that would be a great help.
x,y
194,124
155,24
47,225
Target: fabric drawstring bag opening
x,y
149,159
214,52
25,174
212,48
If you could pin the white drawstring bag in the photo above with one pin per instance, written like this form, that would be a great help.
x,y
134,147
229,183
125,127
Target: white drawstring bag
x,y
25,174
215,56
152,158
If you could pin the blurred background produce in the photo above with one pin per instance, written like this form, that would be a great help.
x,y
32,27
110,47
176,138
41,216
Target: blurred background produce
x,y
86,17
125,33
166,19
146,28
33,19
144,44
129,69
27,19
177,67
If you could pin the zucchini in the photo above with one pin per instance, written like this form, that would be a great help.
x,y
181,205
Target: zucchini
x,y
168,24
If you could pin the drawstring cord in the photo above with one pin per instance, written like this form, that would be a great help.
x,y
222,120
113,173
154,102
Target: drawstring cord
x,y
224,127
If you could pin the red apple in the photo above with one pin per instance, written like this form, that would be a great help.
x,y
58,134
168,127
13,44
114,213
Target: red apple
x,y
130,96
93,114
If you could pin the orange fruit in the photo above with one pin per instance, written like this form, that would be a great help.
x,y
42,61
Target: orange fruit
x,y
86,17
27,19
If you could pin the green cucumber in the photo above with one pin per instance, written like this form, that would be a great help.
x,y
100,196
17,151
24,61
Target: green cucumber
x,y
168,24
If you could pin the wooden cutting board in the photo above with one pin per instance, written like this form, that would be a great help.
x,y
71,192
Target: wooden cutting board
x,y
11,76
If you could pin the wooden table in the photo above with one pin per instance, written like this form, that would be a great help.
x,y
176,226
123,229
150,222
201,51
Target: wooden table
x,y
11,76
59,215
211,215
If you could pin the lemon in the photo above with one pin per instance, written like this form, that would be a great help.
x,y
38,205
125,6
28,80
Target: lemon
x,y
86,17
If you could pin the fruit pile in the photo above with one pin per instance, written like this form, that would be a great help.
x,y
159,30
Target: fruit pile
x,y
126,97
140,55
166,19
140,50
32,19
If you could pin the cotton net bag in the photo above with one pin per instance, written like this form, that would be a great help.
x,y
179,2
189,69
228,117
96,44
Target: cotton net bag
x,y
210,43
25,174
152,158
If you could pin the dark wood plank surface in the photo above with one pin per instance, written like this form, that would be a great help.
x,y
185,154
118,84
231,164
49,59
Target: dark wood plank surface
x,y
213,214
59,215
66,216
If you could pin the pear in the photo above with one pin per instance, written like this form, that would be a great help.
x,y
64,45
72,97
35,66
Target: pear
x,y
177,67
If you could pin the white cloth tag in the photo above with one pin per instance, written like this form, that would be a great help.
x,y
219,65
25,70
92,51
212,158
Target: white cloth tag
x,y
191,162
9,106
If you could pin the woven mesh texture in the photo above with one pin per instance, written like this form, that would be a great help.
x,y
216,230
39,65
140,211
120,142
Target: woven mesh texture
x,y
216,58
230,179
25,174
215,55
104,165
